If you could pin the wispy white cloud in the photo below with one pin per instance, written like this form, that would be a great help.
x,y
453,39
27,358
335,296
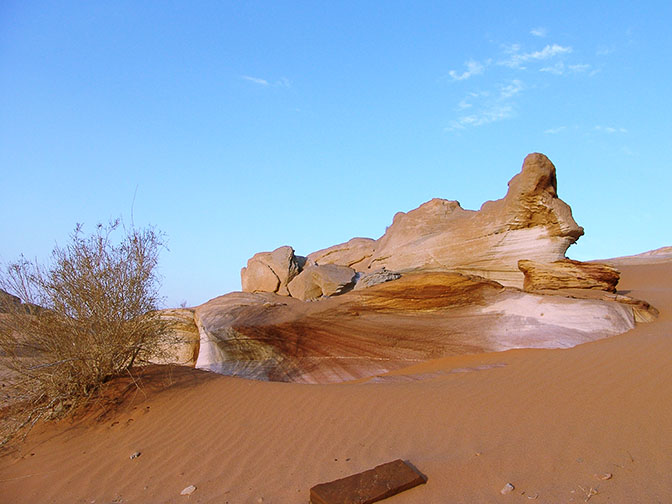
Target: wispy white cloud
x,y
548,52
581,67
517,59
603,51
485,107
484,116
464,104
512,89
467,102
501,99
610,129
282,82
557,69
511,48
473,68
560,68
256,80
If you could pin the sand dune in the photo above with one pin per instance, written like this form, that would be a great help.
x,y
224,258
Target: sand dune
x,y
547,421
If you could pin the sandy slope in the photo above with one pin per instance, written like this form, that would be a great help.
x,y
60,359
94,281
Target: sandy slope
x,y
545,420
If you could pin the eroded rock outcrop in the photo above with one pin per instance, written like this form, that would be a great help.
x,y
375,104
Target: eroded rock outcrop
x,y
355,253
568,274
270,271
181,342
530,222
382,275
322,280
421,316
441,281
8,302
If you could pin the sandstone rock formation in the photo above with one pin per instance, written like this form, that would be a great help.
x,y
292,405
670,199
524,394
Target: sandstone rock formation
x,y
376,277
568,274
181,343
642,310
354,253
531,222
323,280
421,316
13,304
270,271
441,281
8,302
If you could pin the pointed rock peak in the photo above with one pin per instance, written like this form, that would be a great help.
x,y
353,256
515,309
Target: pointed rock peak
x,y
536,177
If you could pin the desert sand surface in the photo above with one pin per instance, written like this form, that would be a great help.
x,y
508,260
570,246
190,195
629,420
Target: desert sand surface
x,y
552,422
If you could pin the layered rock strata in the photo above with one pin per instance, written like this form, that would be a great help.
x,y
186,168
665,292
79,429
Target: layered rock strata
x,y
568,274
531,222
181,342
421,316
441,281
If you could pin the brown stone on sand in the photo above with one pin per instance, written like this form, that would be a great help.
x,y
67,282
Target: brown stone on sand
x,y
370,486
568,274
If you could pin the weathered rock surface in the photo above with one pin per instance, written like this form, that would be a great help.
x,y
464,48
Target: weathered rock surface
x,y
13,304
232,340
354,253
181,343
270,271
8,302
322,280
459,292
642,310
376,277
531,222
568,274
421,316
370,486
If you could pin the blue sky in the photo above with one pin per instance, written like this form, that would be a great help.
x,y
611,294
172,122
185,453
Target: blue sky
x,y
240,128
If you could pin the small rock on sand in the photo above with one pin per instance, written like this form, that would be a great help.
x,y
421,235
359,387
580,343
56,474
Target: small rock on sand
x,y
135,455
603,476
189,490
508,488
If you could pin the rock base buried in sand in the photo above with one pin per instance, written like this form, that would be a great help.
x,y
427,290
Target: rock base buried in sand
x,y
376,484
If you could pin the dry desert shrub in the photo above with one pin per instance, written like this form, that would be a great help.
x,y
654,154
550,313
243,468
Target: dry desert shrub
x,y
68,327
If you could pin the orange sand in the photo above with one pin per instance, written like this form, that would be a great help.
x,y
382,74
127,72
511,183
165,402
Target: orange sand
x,y
546,421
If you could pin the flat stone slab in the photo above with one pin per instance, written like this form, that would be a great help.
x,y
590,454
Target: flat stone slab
x,y
376,484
